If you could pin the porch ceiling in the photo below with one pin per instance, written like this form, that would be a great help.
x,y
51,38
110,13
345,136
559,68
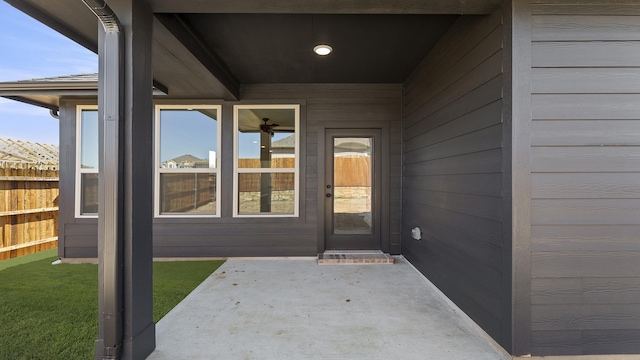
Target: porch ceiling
x,y
208,49
278,48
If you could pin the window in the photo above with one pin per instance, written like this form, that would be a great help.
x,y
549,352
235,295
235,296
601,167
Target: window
x,y
266,160
87,161
187,152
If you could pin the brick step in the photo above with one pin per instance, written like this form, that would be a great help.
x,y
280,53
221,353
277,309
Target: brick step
x,y
354,258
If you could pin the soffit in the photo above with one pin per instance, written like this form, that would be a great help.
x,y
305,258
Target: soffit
x,y
267,41
469,7
277,48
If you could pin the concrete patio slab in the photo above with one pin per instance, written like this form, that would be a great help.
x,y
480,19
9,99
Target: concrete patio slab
x,y
295,309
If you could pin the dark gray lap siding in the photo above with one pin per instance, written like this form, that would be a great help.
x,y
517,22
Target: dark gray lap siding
x,y
453,164
228,236
585,236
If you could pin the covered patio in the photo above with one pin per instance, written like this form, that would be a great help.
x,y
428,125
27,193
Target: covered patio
x,y
506,131
292,308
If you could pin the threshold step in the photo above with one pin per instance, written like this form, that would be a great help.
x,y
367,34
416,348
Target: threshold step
x,y
354,258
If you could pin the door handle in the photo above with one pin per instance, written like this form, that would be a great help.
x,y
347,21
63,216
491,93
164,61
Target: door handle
x,y
328,195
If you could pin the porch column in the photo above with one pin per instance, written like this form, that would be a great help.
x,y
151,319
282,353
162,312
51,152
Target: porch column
x,y
126,327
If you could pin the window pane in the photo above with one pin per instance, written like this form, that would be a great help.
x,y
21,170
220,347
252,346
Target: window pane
x,y
89,139
193,193
89,193
266,193
266,138
353,174
188,138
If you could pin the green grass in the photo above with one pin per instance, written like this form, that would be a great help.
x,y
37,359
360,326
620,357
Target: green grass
x,y
51,312
28,258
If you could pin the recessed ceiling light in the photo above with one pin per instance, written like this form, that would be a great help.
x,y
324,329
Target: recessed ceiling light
x,y
322,50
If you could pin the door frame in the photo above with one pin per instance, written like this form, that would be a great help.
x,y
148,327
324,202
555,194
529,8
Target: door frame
x,y
383,126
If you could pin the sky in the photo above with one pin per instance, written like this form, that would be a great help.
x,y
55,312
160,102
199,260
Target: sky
x,y
33,50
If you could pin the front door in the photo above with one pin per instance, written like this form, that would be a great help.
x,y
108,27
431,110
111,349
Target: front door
x,y
352,189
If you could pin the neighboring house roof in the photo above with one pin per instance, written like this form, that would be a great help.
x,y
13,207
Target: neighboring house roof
x,y
46,92
188,161
353,145
285,143
18,154
186,158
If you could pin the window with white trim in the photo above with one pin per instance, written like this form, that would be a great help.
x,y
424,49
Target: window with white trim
x,y
187,160
86,161
266,160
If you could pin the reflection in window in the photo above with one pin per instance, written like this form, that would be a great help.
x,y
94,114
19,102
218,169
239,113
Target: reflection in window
x,y
184,192
266,160
87,161
89,193
188,138
266,193
352,179
187,160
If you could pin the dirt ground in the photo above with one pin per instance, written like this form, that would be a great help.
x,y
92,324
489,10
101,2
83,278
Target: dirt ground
x,y
347,200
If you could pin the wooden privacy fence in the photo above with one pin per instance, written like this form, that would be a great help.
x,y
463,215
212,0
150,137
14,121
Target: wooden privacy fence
x,y
28,211
186,192
350,171
250,182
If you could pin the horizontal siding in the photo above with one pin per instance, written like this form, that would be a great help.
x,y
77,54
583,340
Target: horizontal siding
x,y
465,124
585,212
475,163
581,264
588,341
585,28
584,54
452,166
585,235
594,186
585,159
227,236
592,133
481,140
585,7
472,184
594,290
590,237
485,207
473,101
585,317
607,106
586,80
480,242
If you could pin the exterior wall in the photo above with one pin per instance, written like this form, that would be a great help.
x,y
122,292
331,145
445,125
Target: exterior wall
x,y
228,236
77,237
585,158
345,103
453,172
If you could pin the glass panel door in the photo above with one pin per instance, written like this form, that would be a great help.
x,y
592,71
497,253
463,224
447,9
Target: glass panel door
x,y
352,189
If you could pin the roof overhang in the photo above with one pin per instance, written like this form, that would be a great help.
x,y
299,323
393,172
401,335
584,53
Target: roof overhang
x,y
47,92
189,64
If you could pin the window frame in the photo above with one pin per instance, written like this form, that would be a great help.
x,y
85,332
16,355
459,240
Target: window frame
x,y
156,163
295,170
78,167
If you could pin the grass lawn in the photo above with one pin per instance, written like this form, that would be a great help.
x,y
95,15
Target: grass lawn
x,y
51,312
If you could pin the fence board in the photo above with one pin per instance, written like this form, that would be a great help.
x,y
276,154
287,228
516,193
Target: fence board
x,y
28,211
350,172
